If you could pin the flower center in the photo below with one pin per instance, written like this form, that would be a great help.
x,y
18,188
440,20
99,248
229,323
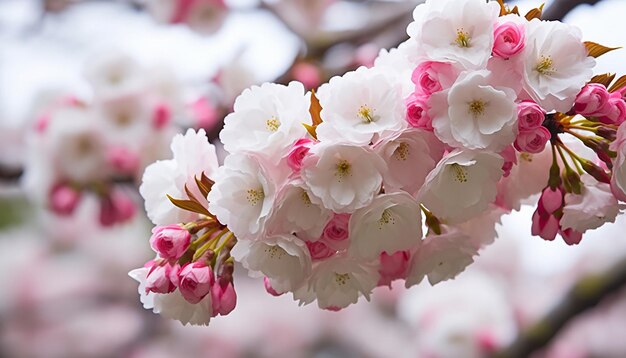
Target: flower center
x,y
545,66
402,152
460,173
527,157
255,196
477,108
463,38
305,198
343,169
366,114
275,252
385,219
342,278
272,124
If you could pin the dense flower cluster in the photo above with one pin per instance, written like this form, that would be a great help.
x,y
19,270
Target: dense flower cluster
x,y
398,171
94,147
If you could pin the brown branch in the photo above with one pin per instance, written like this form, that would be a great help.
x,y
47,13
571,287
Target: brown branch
x,y
10,174
584,295
560,8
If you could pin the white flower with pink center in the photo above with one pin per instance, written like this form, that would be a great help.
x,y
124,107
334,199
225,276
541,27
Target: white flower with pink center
x,y
556,64
283,259
243,195
455,31
342,177
359,107
267,120
340,281
473,114
391,223
462,185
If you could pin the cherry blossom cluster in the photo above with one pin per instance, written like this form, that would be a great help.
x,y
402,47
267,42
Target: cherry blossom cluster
x,y
97,145
400,171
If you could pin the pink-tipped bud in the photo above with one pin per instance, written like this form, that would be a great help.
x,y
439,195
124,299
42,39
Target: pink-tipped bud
x,y
487,341
337,229
162,278
195,281
161,115
269,288
615,110
592,100
509,39
308,74
223,298
125,207
205,113
529,115
319,250
431,77
64,199
571,237
551,200
298,152
393,267
170,242
417,112
532,141
333,308
545,227
123,160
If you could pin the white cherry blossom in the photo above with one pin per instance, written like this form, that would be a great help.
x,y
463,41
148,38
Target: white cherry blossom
x,y
391,223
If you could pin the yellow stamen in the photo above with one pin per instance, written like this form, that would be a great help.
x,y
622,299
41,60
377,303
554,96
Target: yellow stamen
x,y
545,66
343,169
272,124
366,114
305,198
402,152
342,278
275,252
527,157
255,196
460,173
477,108
463,38
385,219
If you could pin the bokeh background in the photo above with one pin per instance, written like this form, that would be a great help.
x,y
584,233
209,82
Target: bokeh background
x,y
64,289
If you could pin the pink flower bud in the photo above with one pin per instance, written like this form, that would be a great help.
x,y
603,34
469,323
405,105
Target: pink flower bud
x,y
125,207
308,74
615,110
170,242
196,280
162,278
591,100
393,267
319,250
337,229
571,237
417,112
269,288
431,77
108,214
509,39
487,341
205,113
551,200
63,199
532,141
545,227
298,152
529,115
223,298
161,115
123,160
333,308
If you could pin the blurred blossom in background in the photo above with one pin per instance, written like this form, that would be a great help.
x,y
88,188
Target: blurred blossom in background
x,y
91,92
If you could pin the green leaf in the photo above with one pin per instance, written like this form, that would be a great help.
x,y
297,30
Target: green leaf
x,y
596,50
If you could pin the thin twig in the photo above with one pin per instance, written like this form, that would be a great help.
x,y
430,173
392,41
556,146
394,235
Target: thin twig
x,y
560,8
584,295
